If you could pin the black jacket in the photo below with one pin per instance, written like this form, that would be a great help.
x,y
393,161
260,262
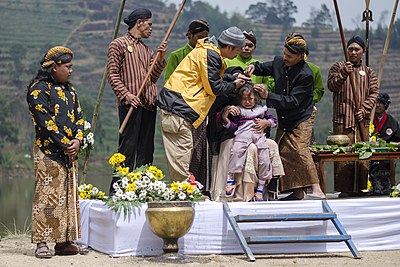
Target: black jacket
x,y
390,131
293,96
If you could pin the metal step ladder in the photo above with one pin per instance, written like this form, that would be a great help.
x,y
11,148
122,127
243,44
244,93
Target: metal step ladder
x,y
327,214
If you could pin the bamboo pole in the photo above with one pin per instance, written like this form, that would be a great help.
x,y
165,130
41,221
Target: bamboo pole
x,y
128,115
100,94
385,49
384,53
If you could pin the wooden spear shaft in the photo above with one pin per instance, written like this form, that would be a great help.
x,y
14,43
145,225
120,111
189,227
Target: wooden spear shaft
x,y
385,49
352,82
101,91
128,115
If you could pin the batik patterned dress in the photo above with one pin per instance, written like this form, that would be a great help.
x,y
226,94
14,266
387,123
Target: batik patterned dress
x,y
57,117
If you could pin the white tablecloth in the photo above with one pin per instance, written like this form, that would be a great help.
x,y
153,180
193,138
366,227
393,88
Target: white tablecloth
x,y
373,223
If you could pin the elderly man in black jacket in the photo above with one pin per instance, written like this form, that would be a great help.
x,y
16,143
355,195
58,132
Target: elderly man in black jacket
x,y
293,101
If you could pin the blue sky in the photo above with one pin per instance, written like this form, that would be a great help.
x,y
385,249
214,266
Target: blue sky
x,y
350,10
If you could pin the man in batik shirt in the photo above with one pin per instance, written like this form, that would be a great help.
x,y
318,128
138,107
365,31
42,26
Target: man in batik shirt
x,y
347,118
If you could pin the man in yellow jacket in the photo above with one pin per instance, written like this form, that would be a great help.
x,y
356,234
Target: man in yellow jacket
x,y
189,93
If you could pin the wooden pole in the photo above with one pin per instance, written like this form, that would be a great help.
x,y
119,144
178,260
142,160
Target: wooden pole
x,y
100,94
352,82
128,115
353,89
385,49
367,17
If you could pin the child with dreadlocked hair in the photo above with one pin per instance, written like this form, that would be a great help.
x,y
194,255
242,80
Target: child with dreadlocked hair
x,y
241,120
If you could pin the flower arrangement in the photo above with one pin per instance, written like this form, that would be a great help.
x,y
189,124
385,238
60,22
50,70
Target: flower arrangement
x,y
88,191
146,184
88,138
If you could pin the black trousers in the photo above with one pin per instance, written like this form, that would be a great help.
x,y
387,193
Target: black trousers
x,y
137,140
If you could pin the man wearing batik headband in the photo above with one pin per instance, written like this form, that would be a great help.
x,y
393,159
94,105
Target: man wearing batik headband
x,y
293,101
200,164
128,62
58,120
386,128
346,116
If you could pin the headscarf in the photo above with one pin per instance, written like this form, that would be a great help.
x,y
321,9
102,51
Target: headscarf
x,y
139,13
385,99
58,55
251,37
198,25
356,39
295,43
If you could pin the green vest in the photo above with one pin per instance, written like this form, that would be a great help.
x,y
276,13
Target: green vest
x,y
174,58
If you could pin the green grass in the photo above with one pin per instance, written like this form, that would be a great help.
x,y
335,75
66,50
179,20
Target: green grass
x,y
15,232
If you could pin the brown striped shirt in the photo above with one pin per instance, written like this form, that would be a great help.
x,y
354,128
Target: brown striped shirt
x,y
128,61
343,100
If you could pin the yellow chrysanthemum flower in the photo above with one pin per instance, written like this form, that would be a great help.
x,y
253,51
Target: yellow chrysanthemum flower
x,y
80,122
157,173
131,187
116,159
79,135
371,128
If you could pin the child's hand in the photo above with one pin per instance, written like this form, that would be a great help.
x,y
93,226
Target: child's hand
x,y
260,125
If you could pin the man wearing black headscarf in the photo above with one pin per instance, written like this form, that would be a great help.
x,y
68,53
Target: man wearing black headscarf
x,y
346,116
128,62
386,128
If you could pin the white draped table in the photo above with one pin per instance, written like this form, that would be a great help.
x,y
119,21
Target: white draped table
x,y
373,223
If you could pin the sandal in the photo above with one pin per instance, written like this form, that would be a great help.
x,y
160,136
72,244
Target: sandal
x,y
258,196
65,249
43,252
230,187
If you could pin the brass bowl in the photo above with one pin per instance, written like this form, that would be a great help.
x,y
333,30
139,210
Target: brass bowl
x,y
338,139
170,220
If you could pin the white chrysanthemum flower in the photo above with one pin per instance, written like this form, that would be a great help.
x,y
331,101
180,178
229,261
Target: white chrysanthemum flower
x,y
182,196
146,179
87,125
119,193
124,182
116,186
90,138
95,190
